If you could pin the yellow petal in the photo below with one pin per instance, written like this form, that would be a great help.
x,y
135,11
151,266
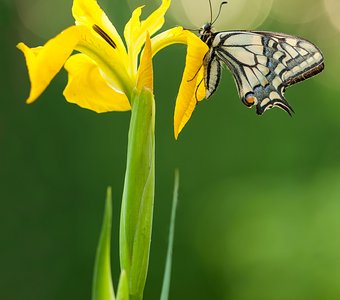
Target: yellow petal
x,y
192,86
89,13
132,27
145,72
102,43
108,59
156,20
87,88
131,32
176,35
45,62
135,30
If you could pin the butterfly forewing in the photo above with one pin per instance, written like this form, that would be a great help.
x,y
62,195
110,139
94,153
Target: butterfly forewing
x,y
263,65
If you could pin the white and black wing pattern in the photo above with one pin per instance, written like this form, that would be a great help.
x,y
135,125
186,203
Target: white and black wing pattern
x,y
263,63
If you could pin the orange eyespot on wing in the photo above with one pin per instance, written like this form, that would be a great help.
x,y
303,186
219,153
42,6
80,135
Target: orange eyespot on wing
x,y
249,100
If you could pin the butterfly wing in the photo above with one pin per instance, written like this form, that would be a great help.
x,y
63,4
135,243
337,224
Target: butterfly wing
x,y
263,63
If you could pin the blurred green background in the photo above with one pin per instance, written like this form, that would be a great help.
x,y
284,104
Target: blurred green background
x,y
259,210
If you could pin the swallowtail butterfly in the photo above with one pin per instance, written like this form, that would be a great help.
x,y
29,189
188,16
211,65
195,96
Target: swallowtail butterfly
x,y
263,63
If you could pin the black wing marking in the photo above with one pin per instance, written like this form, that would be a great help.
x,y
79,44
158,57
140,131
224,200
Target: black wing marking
x,y
263,65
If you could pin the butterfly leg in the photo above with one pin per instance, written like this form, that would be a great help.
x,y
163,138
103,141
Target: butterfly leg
x,y
196,91
196,73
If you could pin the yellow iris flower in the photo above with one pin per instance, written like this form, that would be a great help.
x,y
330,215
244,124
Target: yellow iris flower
x,y
104,72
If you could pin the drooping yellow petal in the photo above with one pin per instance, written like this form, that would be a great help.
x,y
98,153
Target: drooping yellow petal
x,y
190,92
192,86
175,35
145,71
135,29
89,13
87,88
45,62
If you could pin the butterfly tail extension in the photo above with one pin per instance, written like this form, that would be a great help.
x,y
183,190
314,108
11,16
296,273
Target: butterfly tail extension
x,y
264,101
282,103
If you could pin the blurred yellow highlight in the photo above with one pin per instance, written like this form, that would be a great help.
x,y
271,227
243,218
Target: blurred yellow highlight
x,y
333,11
240,14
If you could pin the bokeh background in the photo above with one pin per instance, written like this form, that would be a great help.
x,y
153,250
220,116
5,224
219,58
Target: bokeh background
x,y
259,210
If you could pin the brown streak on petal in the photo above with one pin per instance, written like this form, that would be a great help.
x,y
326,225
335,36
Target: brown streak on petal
x,y
104,35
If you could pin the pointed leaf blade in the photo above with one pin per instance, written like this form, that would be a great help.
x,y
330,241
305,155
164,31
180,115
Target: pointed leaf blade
x,y
102,287
167,271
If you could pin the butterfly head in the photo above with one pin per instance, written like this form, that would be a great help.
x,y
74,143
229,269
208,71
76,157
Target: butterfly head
x,y
206,33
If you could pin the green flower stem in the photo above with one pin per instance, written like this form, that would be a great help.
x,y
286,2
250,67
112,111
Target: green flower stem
x,y
138,194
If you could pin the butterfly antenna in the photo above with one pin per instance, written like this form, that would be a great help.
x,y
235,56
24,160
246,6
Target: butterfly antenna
x,y
219,11
211,12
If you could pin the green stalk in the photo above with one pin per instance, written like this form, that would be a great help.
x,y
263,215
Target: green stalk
x,y
138,194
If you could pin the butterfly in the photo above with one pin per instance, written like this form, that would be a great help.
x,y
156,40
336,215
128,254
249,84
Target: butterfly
x,y
263,63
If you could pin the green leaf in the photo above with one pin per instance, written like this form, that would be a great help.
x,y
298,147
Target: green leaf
x,y
102,287
138,194
167,271
123,287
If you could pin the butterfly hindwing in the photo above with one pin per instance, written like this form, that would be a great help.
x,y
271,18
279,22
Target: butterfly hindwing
x,y
263,65
212,72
